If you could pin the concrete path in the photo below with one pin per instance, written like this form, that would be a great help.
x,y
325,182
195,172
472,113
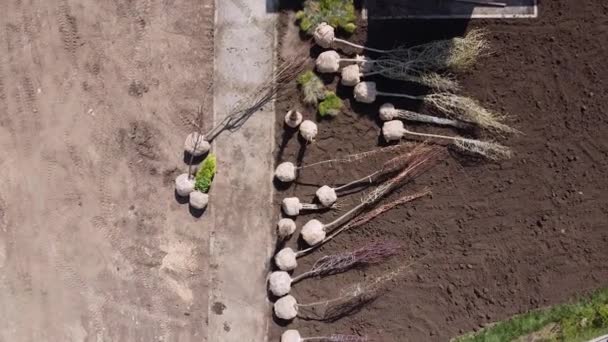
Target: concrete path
x,y
242,206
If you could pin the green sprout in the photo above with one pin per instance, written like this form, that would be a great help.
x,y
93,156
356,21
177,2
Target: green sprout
x,y
312,87
337,13
205,174
332,105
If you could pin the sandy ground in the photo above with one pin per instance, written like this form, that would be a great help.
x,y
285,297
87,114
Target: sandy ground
x,y
94,104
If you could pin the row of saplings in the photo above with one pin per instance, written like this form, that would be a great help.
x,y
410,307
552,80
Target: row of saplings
x,y
429,65
407,162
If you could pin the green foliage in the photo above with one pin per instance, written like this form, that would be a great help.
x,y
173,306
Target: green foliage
x,y
337,13
312,87
332,105
576,322
205,174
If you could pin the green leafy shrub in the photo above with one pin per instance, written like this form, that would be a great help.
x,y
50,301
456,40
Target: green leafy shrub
x,y
332,105
337,13
312,87
205,174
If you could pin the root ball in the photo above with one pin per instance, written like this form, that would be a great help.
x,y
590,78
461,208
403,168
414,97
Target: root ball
x,y
313,232
328,62
387,112
285,228
365,92
199,200
184,185
286,172
351,75
308,130
196,144
324,35
286,259
291,206
327,195
279,283
286,308
291,336
393,130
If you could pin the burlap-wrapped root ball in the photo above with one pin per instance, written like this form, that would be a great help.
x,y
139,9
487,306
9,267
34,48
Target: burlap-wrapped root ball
x,y
291,206
327,196
393,130
285,228
196,144
199,200
279,283
351,75
184,185
313,232
286,172
291,336
365,92
387,112
286,259
308,130
324,35
328,62
293,118
286,308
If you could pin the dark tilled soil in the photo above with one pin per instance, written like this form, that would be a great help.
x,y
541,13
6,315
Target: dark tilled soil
x,y
495,239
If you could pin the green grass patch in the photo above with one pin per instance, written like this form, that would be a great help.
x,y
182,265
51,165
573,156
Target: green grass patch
x,y
312,87
205,174
574,322
337,13
331,106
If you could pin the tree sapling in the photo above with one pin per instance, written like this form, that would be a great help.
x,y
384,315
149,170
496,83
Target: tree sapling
x,y
394,130
280,282
459,107
388,112
288,308
292,206
287,171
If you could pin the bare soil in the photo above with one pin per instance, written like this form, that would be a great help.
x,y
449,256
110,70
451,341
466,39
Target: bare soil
x,y
497,238
95,101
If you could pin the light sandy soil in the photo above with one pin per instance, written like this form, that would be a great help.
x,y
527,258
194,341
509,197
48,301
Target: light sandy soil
x,y
95,97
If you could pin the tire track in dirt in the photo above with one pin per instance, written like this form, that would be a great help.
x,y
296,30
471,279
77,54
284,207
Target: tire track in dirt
x,y
68,28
